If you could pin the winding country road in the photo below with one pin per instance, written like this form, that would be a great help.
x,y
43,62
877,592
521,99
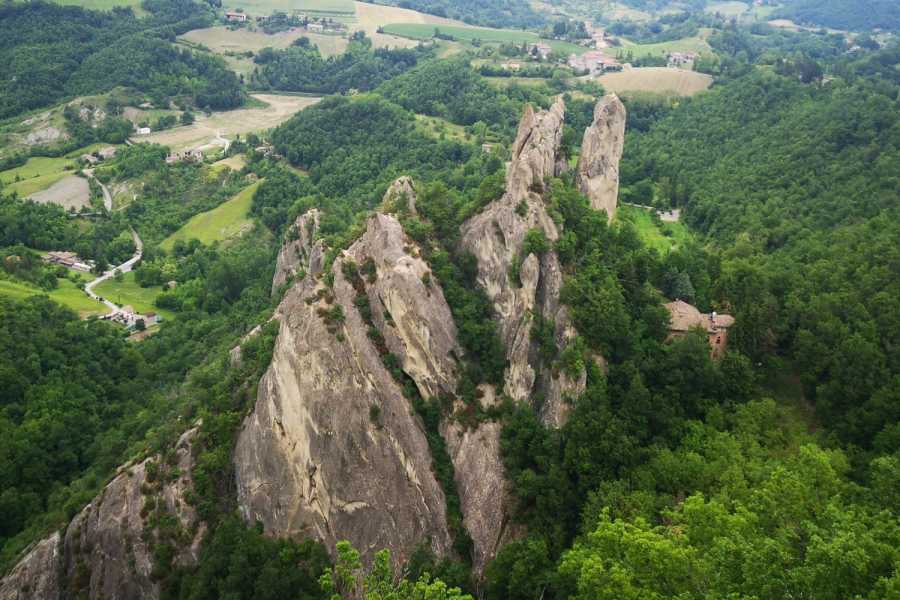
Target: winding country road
x,y
125,267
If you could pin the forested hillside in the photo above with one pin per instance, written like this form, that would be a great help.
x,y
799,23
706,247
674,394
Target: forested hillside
x,y
853,15
798,185
421,271
50,52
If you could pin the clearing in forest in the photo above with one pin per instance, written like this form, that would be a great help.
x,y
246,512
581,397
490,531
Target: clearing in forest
x,y
658,80
70,192
278,109
228,220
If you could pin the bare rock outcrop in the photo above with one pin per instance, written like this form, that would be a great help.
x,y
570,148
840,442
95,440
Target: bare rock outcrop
x,y
496,237
402,189
106,551
36,575
601,149
301,251
333,449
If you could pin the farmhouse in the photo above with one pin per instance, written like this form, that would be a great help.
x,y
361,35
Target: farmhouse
x,y
143,131
186,156
236,17
540,49
107,153
594,62
685,317
70,260
315,28
680,59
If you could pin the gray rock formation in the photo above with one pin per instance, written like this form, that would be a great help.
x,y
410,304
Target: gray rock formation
x,y
401,189
36,575
104,552
333,449
496,237
301,250
601,149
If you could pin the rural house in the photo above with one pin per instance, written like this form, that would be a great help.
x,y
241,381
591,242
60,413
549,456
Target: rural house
x,y
236,17
684,317
70,260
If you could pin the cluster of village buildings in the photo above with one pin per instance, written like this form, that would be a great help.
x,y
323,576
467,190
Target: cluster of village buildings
x,y
310,24
129,318
69,260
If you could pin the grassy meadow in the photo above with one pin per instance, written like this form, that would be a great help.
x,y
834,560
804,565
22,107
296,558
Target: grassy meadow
x,y
227,220
128,292
67,294
424,31
661,236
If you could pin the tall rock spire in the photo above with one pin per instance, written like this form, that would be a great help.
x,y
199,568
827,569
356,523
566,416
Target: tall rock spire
x,y
598,166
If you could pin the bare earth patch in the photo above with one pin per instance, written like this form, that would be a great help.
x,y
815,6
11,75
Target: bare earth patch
x,y
660,80
68,192
241,121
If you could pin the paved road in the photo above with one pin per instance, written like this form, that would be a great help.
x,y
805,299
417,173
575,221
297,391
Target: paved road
x,y
125,267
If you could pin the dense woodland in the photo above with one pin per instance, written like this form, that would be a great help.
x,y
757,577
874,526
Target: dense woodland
x,y
853,15
89,52
301,67
773,472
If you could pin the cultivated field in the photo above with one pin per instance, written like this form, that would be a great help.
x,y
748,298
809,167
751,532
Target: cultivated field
x,y
222,40
67,294
696,44
426,31
228,220
70,192
128,292
660,80
241,121
727,9
330,8
235,163
36,167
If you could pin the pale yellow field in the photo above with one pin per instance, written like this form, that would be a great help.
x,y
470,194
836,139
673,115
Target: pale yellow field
x,y
661,80
243,120
221,40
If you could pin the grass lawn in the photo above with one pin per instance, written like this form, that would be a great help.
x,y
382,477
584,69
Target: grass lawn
x,y
36,167
424,31
128,292
66,294
696,44
522,81
225,221
727,9
664,238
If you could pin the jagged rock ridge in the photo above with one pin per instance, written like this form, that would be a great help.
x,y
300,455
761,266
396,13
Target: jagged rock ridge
x,y
496,237
333,449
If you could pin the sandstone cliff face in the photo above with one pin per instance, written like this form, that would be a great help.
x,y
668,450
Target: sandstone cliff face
x,y
301,251
601,149
104,552
496,237
333,449
36,576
